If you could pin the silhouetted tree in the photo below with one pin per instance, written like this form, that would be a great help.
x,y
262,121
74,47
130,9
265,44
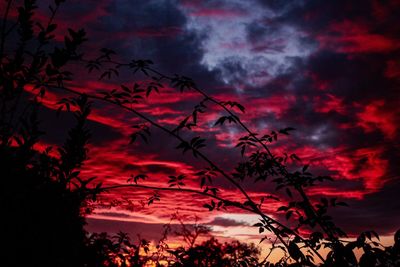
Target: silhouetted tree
x,y
43,195
213,253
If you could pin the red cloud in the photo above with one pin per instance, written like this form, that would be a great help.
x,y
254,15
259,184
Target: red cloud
x,y
392,69
352,37
276,104
158,32
328,104
317,82
375,117
217,13
365,164
146,32
334,192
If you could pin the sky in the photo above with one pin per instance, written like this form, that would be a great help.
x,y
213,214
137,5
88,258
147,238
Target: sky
x,y
329,69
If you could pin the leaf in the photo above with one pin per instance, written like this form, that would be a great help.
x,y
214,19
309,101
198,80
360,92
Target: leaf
x,y
155,197
286,130
106,73
282,208
234,104
203,182
184,145
137,177
210,207
272,197
289,193
197,142
288,214
305,168
221,120
214,191
262,240
368,235
342,204
295,157
294,251
240,107
51,28
375,234
132,138
125,88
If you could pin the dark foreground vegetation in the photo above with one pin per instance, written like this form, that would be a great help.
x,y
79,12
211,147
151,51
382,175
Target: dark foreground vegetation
x,y
45,198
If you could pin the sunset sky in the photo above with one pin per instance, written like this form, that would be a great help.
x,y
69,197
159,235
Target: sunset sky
x,y
330,69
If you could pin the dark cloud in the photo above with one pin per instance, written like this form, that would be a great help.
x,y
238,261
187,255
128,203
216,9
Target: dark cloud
x,y
56,132
145,230
152,168
224,222
114,214
166,39
377,211
316,15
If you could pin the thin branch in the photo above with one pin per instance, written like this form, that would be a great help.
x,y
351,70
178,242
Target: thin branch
x,y
3,28
254,207
175,189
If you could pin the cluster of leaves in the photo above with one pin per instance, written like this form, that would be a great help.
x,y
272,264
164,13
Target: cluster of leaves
x,y
141,130
194,145
176,180
116,251
206,176
209,252
213,253
199,108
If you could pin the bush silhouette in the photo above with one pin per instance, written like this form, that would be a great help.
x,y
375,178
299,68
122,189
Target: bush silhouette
x,y
44,226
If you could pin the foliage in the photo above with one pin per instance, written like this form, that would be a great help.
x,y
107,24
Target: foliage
x,y
46,197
